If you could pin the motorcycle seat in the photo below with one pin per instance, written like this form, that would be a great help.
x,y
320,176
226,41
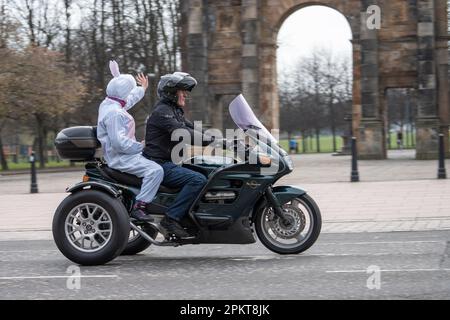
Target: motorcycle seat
x,y
131,180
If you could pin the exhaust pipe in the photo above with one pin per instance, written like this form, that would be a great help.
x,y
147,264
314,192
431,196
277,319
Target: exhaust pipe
x,y
150,239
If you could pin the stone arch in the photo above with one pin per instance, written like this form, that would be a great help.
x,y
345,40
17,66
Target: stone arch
x,y
293,7
350,15
230,46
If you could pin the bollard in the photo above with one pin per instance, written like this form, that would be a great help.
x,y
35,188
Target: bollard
x,y
34,186
355,173
442,173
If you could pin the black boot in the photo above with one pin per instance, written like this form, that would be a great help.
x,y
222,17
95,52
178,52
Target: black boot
x,y
173,227
140,214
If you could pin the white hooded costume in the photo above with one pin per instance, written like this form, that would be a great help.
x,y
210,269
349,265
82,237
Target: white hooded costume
x,y
116,132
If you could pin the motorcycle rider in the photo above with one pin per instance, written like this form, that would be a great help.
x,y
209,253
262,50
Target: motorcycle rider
x,y
116,132
167,117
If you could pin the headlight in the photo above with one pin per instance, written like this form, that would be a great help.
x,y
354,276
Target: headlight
x,y
289,162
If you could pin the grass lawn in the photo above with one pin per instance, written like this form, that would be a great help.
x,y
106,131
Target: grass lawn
x,y
407,142
326,144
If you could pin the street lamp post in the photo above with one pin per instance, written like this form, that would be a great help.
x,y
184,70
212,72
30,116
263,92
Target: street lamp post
x,y
442,173
355,172
34,186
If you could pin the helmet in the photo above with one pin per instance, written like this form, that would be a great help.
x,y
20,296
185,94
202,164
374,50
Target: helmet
x,y
171,83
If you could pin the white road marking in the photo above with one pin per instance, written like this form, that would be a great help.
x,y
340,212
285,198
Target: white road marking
x,y
27,251
379,254
57,277
391,270
375,242
304,255
261,258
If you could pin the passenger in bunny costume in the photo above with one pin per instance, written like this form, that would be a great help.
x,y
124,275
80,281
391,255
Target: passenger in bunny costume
x,y
116,132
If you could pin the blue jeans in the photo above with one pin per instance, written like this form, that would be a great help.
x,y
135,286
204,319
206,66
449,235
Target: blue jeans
x,y
191,183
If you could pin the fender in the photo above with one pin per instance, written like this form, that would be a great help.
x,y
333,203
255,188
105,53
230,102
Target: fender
x,y
285,194
95,186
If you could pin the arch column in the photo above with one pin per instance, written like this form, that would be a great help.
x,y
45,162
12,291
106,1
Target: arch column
x,y
427,118
357,107
250,51
371,131
268,98
195,54
442,58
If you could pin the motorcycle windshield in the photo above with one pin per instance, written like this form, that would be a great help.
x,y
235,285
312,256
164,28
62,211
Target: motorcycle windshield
x,y
245,119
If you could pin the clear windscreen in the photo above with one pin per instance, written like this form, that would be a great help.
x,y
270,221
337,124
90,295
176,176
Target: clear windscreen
x,y
245,119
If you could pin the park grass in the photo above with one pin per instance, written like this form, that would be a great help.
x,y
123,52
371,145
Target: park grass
x,y
407,143
326,144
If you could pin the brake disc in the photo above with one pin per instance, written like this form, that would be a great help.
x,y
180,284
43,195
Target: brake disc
x,y
296,223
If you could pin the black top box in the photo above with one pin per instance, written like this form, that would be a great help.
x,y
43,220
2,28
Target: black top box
x,y
77,144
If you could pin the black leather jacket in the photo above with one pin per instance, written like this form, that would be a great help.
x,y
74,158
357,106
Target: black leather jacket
x,y
165,119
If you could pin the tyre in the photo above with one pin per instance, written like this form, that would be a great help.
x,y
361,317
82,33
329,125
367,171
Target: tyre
x,y
298,235
91,228
136,243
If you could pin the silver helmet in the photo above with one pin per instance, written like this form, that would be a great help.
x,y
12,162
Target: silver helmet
x,y
171,83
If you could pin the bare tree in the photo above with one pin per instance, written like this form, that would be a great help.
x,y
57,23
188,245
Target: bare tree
x,y
68,44
310,71
321,87
42,70
141,35
335,88
7,64
39,19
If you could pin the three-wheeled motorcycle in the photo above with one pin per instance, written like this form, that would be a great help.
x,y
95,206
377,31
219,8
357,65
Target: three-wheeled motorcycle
x,y
92,226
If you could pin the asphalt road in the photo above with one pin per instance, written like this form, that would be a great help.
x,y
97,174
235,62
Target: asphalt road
x,y
402,265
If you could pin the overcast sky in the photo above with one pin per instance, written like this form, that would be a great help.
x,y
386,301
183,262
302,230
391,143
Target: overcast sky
x,y
310,27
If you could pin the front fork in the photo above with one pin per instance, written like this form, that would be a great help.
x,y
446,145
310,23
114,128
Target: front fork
x,y
275,204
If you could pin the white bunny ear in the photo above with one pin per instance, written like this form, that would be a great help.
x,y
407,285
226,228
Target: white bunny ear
x,y
114,67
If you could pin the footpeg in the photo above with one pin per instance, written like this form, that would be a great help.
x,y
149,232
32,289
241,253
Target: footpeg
x,y
175,238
